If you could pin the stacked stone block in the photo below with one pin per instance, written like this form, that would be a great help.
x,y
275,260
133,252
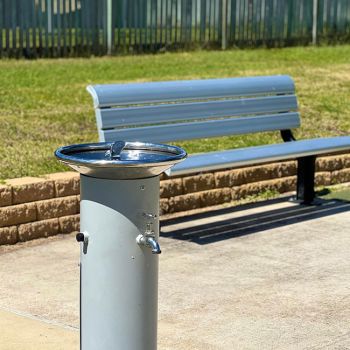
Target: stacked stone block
x,y
33,207
209,189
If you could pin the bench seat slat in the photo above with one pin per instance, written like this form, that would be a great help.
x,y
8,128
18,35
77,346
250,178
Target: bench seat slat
x,y
211,128
137,93
260,154
114,117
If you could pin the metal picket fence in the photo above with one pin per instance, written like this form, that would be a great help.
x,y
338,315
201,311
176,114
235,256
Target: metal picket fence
x,y
65,28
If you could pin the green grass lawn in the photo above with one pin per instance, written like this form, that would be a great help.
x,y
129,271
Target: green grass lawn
x,y
341,193
44,104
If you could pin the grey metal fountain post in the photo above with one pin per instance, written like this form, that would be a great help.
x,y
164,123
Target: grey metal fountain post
x,y
119,240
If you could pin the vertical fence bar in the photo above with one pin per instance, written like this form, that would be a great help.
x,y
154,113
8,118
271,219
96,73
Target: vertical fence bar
x,y
190,21
133,26
347,17
182,21
187,23
109,27
47,28
100,13
202,21
177,22
156,25
139,16
260,22
188,12
249,18
214,20
54,29
314,22
150,23
21,32
93,15
76,27
195,10
218,21
239,21
58,16
47,15
233,22
101,28
160,22
89,27
224,25
13,27
80,29
320,19
27,27
84,29
65,27
209,20
118,10
129,25
7,27
40,27
280,23
171,22
1,26
135,22
146,19
34,28
341,19
252,24
69,27
113,26
23,15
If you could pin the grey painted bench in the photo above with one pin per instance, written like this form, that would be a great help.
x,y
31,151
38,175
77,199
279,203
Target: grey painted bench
x,y
183,110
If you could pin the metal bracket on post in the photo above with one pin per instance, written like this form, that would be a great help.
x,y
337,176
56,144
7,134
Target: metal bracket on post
x,y
84,238
287,135
306,180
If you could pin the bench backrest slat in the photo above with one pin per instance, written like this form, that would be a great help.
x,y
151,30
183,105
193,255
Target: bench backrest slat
x,y
182,110
211,128
116,117
137,93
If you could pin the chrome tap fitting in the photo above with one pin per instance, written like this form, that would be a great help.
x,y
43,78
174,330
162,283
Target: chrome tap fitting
x,y
150,242
148,239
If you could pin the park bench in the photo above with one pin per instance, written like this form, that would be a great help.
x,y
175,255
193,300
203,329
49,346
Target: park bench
x,y
193,109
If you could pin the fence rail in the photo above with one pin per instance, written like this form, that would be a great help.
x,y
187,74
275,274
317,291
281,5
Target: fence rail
x,y
64,28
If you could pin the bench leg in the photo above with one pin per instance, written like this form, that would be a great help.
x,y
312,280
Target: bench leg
x,y
306,180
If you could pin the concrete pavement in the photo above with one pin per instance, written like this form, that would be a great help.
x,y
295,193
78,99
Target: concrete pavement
x,y
272,275
22,332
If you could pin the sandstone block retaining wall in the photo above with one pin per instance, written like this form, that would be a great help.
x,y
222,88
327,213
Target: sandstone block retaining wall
x,y
32,207
36,207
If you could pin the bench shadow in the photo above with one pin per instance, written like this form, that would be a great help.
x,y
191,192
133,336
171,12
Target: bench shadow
x,y
190,228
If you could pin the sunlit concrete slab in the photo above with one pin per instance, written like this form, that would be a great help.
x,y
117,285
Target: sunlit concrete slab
x,y
271,275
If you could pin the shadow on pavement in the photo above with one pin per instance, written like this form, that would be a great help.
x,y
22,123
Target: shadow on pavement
x,y
245,222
